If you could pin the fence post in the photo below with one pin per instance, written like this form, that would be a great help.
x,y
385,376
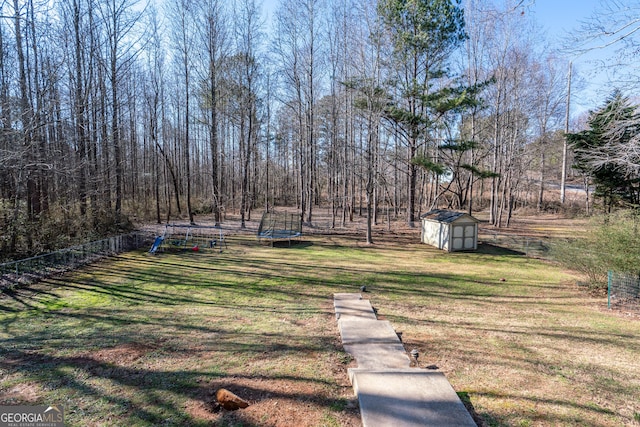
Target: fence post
x,y
609,280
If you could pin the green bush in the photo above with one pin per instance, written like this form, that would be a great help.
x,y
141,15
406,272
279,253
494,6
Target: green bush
x,y
612,243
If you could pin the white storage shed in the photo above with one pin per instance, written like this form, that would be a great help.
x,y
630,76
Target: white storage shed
x,y
450,230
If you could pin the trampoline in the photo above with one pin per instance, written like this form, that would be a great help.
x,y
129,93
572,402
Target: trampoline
x,y
279,226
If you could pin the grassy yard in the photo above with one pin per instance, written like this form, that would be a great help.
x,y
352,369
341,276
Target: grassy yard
x,y
147,340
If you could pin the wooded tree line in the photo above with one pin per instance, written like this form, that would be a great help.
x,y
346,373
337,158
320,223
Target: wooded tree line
x,y
115,110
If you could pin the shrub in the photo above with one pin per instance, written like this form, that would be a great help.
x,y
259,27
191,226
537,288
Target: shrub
x,y
613,243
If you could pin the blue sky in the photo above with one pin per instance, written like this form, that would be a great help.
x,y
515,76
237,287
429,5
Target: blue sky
x,y
559,17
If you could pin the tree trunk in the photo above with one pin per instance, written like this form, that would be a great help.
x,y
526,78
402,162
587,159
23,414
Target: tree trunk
x,y
24,191
413,177
115,125
81,122
542,178
213,138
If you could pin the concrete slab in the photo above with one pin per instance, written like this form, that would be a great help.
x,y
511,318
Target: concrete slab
x,y
354,309
379,356
408,398
344,295
367,332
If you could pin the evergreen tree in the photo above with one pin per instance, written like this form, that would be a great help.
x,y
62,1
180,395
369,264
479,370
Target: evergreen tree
x,y
423,35
611,129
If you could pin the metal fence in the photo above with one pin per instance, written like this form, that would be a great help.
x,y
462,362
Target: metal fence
x,y
623,291
29,270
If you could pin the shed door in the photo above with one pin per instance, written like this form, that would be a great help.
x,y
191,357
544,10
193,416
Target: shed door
x,y
469,237
463,237
458,237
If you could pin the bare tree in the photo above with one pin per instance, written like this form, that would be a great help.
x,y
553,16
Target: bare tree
x,y
248,27
214,37
504,128
298,44
344,30
371,101
548,102
182,14
153,98
119,18
614,30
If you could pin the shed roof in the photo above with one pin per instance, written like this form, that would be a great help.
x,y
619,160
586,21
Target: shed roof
x,y
446,216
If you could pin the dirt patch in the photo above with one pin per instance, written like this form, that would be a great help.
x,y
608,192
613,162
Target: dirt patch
x,y
121,355
201,410
28,393
276,403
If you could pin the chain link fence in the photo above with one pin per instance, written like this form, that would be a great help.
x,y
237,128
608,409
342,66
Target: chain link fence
x,y
30,270
529,246
623,291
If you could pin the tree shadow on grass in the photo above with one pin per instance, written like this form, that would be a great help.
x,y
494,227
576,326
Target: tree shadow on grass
x,y
293,244
120,380
143,392
466,401
489,249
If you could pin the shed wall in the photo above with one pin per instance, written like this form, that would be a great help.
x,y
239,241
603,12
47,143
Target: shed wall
x,y
435,234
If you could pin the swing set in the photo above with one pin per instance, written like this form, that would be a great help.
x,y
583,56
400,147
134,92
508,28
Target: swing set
x,y
189,237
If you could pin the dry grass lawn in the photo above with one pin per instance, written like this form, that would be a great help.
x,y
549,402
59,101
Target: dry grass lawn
x,y
147,340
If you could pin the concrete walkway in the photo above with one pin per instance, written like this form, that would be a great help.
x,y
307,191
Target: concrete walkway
x,y
389,391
